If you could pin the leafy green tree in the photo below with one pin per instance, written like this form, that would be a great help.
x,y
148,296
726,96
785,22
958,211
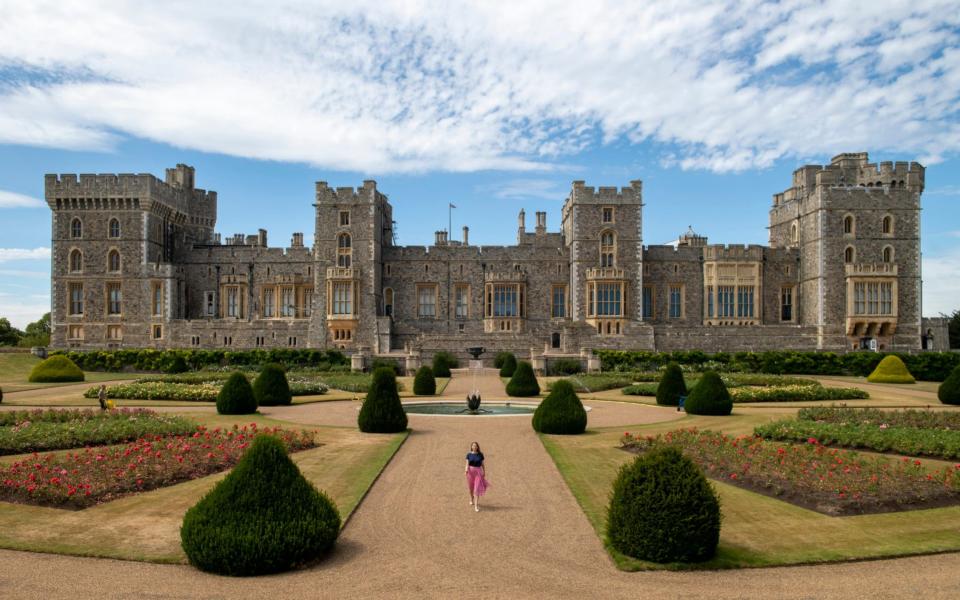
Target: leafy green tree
x,y
9,335
954,328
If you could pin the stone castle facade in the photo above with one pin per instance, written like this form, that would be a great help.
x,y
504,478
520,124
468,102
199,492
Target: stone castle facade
x,y
136,263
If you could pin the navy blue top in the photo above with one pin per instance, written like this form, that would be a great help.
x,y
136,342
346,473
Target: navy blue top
x,y
475,459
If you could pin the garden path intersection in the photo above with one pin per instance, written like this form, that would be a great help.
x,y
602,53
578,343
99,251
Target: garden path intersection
x,y
415,536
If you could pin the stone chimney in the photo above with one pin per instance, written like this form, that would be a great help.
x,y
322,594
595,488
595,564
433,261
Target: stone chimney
x,y
262,238
541,222
181,176
466,235
440,238
297,241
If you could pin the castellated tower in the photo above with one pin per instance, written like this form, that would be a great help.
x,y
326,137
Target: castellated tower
x,y
857,227
115,240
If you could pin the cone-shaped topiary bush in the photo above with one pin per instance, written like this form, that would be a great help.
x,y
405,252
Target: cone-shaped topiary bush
x,y
1,395
236,396
509,365
499,358
264,517
176,365
663,509
381,411
424,384
672,386
891,370
949,390
442,363
56,369
524,382
709,396
561,411
271,387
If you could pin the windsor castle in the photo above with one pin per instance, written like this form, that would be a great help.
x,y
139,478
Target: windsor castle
x,y
136,263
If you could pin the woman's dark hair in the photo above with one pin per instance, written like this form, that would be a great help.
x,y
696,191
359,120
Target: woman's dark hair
x,y
478,447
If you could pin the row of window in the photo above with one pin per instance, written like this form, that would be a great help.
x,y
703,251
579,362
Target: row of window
x,y
849,227
76,228
114,333
113,292
850,254
114,263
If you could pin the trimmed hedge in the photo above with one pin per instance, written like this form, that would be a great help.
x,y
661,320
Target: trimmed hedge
x,y
442,363
177,365
672,386
264,517
271,387
236,397
663,510
709,397
891,370
561,412
509,365
949,390
146,359
925,366
499,358
424,384
524,382
382,411
564,366
56,369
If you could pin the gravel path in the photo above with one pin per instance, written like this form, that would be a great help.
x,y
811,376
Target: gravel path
x,y
416,536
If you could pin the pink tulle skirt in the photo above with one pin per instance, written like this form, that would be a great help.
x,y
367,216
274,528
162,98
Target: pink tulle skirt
x,y
475,481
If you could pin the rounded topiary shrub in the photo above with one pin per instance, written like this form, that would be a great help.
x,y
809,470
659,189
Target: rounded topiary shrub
x,y
891,370
949,390
381,411
509,365
499,358
271,387
56,369
442,363
176,365
663,509
524,382
424,384
672,386
561,412
264,517
236,396
709,396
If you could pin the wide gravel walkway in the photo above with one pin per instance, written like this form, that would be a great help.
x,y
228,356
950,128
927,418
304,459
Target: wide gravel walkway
x,y
416,536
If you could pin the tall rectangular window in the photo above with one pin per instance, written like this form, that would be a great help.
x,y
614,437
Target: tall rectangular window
x,y
344,218
76,299
873,298
725,301
427,301
676,301
269,300
558,304
307,302
647,301
609,300
288,302
343,298
461,301
786,304
233,302
114,299
505,301
156,303
607,214
745,301
211,304
709,301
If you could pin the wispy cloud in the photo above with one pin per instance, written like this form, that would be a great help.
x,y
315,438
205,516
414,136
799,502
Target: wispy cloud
x,y
21,312
941,283
379,86
11,254
522,189
15,200
944,190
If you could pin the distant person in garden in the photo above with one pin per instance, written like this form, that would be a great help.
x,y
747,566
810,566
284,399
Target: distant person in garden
x,y
102,396
476,475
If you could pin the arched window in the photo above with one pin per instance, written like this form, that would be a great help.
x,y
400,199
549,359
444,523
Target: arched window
x,y
849,255
344,250
848,225
608,242
888,254
388,302
114,228
902,184
887,225
113,261
76,261
76,229
794,234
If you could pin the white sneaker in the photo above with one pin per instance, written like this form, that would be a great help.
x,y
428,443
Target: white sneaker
x,y
471,503
476,508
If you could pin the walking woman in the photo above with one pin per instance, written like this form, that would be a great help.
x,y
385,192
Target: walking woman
x,y
476,475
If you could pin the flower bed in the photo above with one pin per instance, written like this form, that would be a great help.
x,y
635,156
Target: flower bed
x,y
828,480
192,392
96,475
882,431
41,430
768,393
597,382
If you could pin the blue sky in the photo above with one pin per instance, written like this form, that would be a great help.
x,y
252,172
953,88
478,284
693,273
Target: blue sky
x,y
491,106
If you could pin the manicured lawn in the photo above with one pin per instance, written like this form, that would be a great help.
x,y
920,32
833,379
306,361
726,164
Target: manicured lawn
x,y
147,526
15,367
756,530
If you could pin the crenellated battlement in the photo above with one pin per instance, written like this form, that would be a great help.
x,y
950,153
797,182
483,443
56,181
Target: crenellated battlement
x,y
751,252
582,193
853,169
344,194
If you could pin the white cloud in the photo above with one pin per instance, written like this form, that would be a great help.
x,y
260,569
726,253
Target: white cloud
x,y
941,283
11,254
21,313
522,189
15,200
393,85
